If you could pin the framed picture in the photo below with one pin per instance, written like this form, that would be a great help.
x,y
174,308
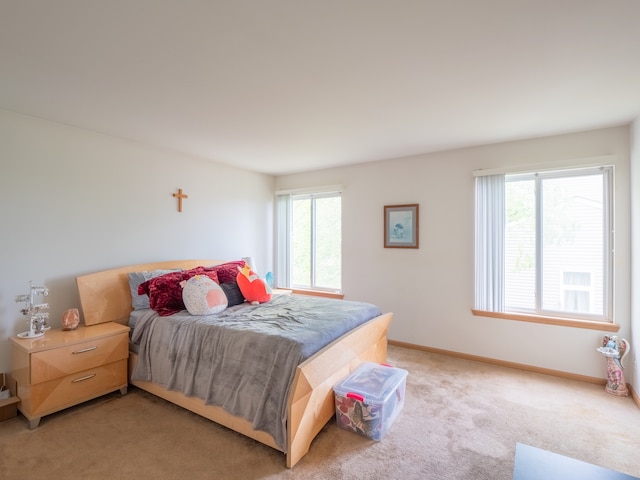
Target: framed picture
x,y
401,226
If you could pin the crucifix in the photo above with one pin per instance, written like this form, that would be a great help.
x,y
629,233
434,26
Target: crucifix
x,y
180,196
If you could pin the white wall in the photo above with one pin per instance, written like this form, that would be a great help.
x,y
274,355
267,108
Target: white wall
x,y
73,202
633,357
430,290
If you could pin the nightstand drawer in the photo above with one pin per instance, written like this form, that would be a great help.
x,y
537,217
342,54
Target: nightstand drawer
x,y
64,392
60,362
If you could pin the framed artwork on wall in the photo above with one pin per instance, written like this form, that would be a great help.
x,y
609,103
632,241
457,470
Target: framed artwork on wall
x,y
401,226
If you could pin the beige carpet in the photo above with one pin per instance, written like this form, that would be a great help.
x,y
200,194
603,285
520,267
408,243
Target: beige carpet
x,y
461,420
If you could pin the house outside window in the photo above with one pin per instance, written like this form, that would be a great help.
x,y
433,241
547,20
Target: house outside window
x,y
309,239
576,287
544,243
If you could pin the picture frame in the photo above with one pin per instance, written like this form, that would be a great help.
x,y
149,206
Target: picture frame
x,y
401,226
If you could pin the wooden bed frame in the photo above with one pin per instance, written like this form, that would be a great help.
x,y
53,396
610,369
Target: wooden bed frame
x,y
105,297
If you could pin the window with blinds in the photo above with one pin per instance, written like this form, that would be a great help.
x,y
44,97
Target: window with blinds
x,y
309,240
556,244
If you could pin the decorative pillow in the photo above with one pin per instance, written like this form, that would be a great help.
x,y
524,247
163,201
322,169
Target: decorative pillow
x,y
140,302
233,293
165,292
253,288
203,296
227,272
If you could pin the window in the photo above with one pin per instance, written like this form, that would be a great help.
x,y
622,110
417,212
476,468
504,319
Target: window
x,y
544,243
309,240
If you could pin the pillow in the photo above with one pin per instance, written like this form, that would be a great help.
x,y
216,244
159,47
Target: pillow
x,y
233,293
165,292
253,288
227,272
140,302
203,296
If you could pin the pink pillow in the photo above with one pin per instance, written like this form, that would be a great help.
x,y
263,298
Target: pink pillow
x,y
203,296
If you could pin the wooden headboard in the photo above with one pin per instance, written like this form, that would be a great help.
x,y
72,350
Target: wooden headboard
x,y
105,296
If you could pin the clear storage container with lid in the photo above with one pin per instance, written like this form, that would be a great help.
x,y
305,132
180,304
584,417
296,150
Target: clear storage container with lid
x,y
370,398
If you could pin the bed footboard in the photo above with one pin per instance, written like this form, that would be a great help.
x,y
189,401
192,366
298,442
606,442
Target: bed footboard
x,y
311,401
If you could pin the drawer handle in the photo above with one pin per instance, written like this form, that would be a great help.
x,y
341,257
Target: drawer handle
x,y
88,349
81,379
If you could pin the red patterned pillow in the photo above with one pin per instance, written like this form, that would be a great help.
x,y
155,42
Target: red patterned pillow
x,y
165,291
227,272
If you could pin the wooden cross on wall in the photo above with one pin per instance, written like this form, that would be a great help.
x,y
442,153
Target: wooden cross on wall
x,y
180,196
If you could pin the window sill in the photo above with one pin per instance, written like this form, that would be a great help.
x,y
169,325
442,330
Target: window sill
x,y
318,293
564,322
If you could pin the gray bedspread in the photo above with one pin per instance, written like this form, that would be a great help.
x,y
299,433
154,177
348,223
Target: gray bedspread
x,y
244,358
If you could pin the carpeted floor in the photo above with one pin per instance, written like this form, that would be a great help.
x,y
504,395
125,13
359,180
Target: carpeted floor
x,y
461,420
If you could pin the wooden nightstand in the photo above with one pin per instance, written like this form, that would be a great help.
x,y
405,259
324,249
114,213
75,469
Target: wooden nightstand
x,y
64,368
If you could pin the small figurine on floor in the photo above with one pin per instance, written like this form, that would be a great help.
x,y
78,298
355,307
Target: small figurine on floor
x,y
615,349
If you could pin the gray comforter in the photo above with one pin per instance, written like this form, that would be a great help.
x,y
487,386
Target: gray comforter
x,y
244,358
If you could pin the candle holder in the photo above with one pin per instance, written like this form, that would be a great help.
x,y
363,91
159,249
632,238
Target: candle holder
x,y
35,312
70,319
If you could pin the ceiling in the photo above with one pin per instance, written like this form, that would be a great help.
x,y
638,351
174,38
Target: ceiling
x,y
282,86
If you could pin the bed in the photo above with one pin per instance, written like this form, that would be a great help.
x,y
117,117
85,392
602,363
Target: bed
x,y
106,297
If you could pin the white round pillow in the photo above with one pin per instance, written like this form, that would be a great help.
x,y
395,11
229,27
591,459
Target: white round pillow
x,y
203,296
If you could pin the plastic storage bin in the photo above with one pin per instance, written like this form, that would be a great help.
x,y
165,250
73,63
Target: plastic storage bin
x,y
8,402
370,398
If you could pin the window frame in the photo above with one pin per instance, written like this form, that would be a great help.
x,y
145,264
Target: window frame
x,y
597,321
284,228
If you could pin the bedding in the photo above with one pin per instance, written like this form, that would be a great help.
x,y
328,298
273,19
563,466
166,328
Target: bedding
x,y
138,301
244,358
165,291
